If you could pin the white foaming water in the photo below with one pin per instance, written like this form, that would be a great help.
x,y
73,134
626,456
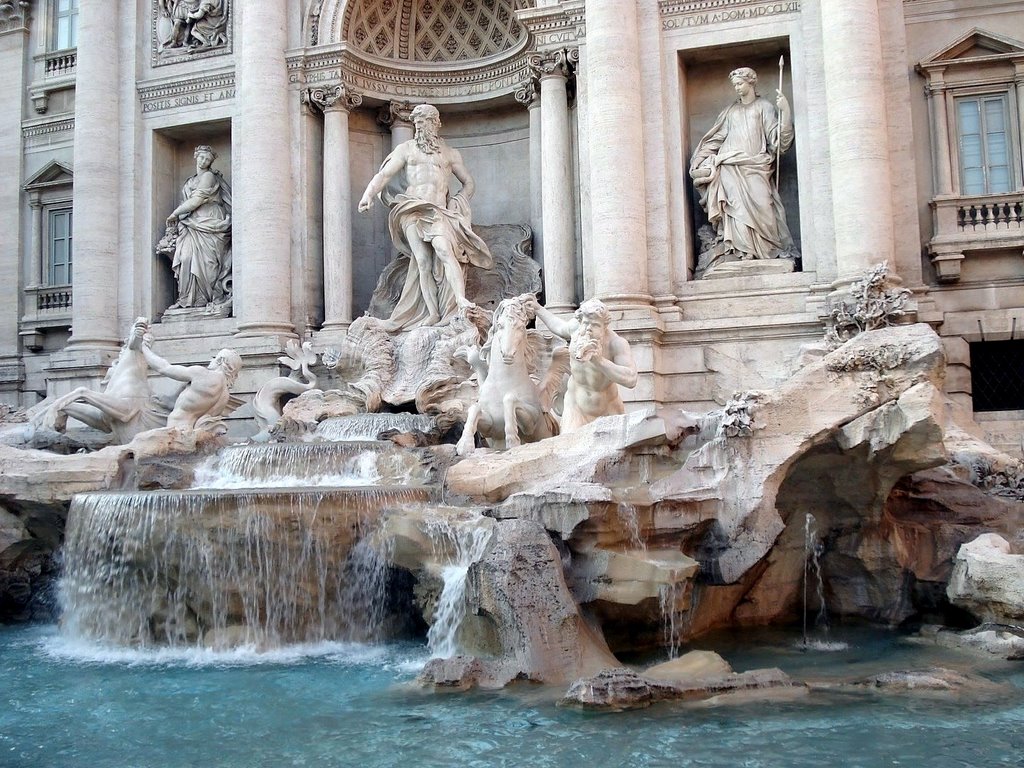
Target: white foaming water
x,y
367,426
306,465
63,648
823,646
466,541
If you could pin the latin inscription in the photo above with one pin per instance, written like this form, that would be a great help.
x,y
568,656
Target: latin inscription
x,y
735,14
187,100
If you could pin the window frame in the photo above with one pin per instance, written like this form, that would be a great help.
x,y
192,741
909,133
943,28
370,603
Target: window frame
x,y
49,267
57,15
1011,158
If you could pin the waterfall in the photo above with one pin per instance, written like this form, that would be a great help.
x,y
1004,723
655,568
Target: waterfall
x,y
668,597
220,568
628,518
458,544
366,426
813,578
305,465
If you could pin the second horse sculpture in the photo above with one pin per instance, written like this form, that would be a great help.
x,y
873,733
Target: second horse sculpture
x,y
515,404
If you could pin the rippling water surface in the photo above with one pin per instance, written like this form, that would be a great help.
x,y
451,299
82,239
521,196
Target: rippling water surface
x,y
65,706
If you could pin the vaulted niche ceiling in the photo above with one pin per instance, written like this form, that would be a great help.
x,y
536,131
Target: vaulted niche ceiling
x,y
435,31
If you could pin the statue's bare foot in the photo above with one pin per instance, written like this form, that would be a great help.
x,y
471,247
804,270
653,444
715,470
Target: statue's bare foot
x,y
432,319
464,303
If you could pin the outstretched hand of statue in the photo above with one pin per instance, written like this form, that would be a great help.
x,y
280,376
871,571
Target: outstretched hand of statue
x,y
365,204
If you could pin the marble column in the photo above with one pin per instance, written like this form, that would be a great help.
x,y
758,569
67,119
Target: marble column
x,y
336,103
858,139
618,190
262,206
553,70
395,116
528,94
97,162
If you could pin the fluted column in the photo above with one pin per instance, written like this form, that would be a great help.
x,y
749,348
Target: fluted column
x,y
528,94
97,168
618,205
262,205
336,103
553,70
858,140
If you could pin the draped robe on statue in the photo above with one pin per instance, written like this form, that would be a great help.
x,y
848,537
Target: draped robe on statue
x,y
739,196
202,254
452,223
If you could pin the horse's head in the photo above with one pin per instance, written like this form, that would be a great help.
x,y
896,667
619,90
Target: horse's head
x,y
508,328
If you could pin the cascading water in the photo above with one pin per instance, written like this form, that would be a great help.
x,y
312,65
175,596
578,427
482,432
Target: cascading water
x,y
227,568
668,597
366,426
813,578
630,521
307,465
458,543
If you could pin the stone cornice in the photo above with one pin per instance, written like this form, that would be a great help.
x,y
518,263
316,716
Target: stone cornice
x,y
680,14
554,27
169,93
33,128
387,80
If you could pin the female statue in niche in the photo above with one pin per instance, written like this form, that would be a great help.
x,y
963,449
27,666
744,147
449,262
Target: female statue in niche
x,y
198,238
733,169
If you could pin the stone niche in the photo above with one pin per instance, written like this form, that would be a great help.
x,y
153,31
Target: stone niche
x,y
173,164
705,75
495,146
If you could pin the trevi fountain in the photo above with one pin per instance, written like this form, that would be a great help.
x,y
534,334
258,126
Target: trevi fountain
x,y
451,536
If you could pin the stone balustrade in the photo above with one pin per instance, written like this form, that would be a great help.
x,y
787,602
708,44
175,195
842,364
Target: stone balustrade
x,y
982,222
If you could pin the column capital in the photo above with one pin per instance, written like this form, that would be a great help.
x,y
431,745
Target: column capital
x,y
528,93
14,15
395,112
331,98
558,63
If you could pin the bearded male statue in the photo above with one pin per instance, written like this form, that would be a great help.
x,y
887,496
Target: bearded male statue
x,y
429,226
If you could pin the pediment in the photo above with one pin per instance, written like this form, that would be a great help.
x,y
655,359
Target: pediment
x,y
53,174
978,44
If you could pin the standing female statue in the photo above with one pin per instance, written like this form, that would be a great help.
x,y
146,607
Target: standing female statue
x,y
198,237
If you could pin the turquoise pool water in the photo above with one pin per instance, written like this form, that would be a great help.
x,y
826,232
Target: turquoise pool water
x,y
64,706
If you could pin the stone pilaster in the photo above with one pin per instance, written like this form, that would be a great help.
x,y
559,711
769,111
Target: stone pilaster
x,y
262,208
936,93
553,70
336,103
615,134
97,164
13,40
858,141
528,94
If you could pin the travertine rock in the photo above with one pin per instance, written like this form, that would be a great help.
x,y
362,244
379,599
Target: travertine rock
x,y
989,640
988,580
620,688
518,593
695,665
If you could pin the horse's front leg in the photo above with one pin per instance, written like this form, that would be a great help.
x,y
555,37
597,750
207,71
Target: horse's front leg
x,y
54,417
467,442
528,416
510,404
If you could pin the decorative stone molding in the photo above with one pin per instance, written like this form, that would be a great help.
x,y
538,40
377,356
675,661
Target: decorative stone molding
x,y
557,63
329,98
211,35
157,96
393,80
681,14
556,26
395,112
14,16
42,131
528,94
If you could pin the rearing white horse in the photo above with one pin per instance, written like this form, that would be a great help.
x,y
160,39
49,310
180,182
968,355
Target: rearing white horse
x,y
512,407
